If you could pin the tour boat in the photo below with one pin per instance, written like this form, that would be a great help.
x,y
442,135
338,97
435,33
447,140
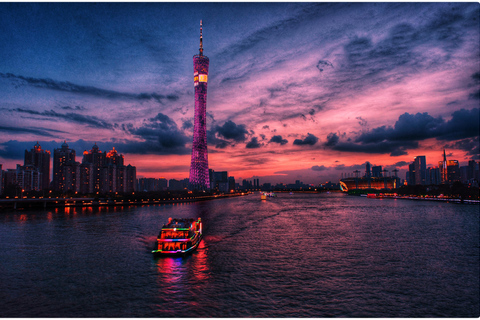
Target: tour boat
x,y
179,237
263,196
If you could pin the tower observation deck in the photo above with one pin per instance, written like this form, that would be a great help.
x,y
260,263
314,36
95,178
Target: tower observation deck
x,y
199,179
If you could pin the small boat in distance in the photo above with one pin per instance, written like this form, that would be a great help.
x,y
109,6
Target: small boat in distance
x,y
179,237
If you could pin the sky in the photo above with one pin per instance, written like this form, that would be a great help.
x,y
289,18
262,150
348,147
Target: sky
x,y
296,91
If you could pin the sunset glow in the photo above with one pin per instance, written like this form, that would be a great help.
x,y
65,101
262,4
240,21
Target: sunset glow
x,y
295,90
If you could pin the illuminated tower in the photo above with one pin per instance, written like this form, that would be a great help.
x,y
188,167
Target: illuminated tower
x,y
199,179
443,168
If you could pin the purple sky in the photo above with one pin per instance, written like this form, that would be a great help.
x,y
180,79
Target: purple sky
x,y
296,90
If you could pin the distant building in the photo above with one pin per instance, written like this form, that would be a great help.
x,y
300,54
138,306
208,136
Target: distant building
x,y
94,159
1,180
218,180
420,170
178,185
231,184
473,171
376,171
432,176
417,171
368,172
28,178
99,172
40,159
61,157
152,184
105,172
376,181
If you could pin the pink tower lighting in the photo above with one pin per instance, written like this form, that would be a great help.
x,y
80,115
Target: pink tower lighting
x,y
199,178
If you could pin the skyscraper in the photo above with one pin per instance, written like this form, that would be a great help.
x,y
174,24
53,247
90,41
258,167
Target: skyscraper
x,y
40,159
62,157
420,170
199,179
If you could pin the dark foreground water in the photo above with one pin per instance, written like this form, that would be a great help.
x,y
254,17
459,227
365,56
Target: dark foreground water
x,y
296,255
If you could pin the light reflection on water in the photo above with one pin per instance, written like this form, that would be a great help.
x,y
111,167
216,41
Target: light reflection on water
x,y
299,255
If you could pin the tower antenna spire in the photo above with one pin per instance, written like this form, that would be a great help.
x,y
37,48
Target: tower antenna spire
x,y
201,39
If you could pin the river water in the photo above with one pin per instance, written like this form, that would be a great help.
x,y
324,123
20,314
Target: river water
x,y
301,255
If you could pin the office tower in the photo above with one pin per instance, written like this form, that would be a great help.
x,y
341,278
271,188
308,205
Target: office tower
x,y
420,170
411,174
377,171
61,157
368,172
40,159
432,176
1,180
453,171
199,178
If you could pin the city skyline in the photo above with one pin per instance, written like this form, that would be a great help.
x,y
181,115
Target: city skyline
x,y
298,91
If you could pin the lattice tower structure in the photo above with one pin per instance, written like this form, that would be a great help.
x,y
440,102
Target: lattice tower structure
x,y
199,178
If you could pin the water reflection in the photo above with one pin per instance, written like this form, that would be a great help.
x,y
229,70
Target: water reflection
x,y
181,282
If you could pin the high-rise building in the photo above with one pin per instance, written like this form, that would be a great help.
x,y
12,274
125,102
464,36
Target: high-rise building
x,y
40,159
28,178
61,157
368,172
377,171
433,176
105,172
420,169
453,171
449,170
94,159
199,178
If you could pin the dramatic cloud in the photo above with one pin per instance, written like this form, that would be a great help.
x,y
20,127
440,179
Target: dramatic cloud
x,y
322,64
309,140
160,134
409,127
332,139
253,144
187,124
66,86
278,139
230,130
470,145
408,130
91,121
36,131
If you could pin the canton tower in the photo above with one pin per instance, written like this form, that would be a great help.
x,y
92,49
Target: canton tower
x,y
199,179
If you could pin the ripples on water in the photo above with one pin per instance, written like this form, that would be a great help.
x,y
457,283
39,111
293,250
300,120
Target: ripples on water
x,y
302,255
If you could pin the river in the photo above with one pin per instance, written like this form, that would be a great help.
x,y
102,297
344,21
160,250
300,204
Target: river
x,y
301,255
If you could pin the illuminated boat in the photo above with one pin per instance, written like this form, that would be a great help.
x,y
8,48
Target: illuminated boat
x,y
179,237
263,196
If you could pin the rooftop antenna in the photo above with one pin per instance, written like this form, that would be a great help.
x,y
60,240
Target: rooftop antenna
x,y
201,39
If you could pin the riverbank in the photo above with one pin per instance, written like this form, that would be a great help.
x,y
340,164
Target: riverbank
x,y
421,198
29,203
